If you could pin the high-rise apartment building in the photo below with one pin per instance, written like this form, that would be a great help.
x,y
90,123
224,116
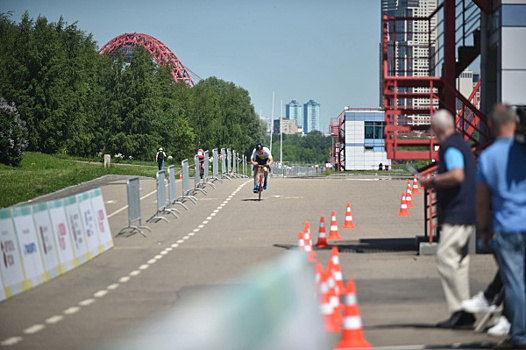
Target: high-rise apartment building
x,y
416,44
311,116
294,111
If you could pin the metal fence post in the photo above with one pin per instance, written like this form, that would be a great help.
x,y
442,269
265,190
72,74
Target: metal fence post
x,y
161,200
198,186
172,192
215,166
187,193
134,208
224,170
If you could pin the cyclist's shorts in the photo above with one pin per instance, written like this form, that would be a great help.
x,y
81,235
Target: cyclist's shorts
x,y
260,162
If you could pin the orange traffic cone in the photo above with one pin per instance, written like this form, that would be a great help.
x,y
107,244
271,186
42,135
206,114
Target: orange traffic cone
x,y
408,197
352,333
304,246
318,271
322,235
403,207
337,269
181,175
415,186
327,311
334,297
308,238
333,233
348,218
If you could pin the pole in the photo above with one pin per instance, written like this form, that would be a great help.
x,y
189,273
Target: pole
x,y
272,122
281,138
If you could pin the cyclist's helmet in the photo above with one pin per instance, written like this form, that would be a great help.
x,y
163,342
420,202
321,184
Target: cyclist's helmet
x,y
201,153
259,146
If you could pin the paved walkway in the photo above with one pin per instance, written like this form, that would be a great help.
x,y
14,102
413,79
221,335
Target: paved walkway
x,y
228,232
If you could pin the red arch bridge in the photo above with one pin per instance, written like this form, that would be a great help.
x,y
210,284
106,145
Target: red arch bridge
x,y
162,53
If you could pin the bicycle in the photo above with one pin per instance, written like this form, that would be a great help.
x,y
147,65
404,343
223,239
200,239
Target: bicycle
x,y
261,180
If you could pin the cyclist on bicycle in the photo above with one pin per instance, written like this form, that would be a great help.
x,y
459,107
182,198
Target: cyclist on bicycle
x,y
261,156
201,156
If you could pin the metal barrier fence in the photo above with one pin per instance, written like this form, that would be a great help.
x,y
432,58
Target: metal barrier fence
x,y
134,208
224,170
215,166
187,192
229,161
198,185
162,203
172,192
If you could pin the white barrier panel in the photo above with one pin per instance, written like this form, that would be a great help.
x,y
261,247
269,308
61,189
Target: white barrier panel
x,y
88,223
78,238
103,228
2,290
29,247
10,263
61,230
48,246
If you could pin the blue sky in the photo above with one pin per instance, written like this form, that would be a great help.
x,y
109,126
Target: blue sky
x,y
327,51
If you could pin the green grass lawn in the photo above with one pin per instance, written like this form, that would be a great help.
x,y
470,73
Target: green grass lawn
x,y
41,174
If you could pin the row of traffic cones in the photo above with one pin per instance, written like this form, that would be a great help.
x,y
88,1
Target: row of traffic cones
x,y
407,197
330,289
338,317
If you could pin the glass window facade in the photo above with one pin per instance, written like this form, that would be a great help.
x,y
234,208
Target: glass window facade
x,y
513,15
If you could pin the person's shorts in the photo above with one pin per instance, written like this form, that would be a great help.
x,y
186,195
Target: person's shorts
x,y
261,162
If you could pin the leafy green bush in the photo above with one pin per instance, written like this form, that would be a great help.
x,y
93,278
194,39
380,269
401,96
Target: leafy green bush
x,y
13,134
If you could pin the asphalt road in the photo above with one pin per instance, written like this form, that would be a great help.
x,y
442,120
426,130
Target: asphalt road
x,y
228,232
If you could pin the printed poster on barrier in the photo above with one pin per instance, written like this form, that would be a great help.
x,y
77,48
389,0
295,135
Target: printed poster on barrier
x,y
48,247
10,264
103,227
61,231
28,243
76,230
88,221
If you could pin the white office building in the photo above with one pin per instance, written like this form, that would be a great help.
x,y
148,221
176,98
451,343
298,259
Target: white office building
x,y
364,139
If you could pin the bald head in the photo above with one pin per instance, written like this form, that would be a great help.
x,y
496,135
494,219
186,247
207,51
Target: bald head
x,y
442,119
443,124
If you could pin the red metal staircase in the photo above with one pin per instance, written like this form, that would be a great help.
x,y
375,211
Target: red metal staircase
x,y
419,71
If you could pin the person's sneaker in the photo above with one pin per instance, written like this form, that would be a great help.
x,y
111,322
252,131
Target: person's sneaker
x,y
478,303
255,188
265,185
501,327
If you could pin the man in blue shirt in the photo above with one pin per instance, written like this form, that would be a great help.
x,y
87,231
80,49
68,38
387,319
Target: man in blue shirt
x,y
455,188
501,181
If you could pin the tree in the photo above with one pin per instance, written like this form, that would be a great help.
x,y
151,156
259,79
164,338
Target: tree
x,y
13,135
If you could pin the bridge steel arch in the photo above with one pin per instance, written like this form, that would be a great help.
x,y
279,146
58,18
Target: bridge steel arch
x,y
162,53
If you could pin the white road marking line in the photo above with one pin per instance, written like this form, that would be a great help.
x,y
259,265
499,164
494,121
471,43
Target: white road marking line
x,y
34,329
164,252
209,218
87,302
135,273
175,245
72,310
158,257
113,286
205,222
144,267
152,261
185,238
54,319
100,293
196,230
191,234
180,241
11,341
